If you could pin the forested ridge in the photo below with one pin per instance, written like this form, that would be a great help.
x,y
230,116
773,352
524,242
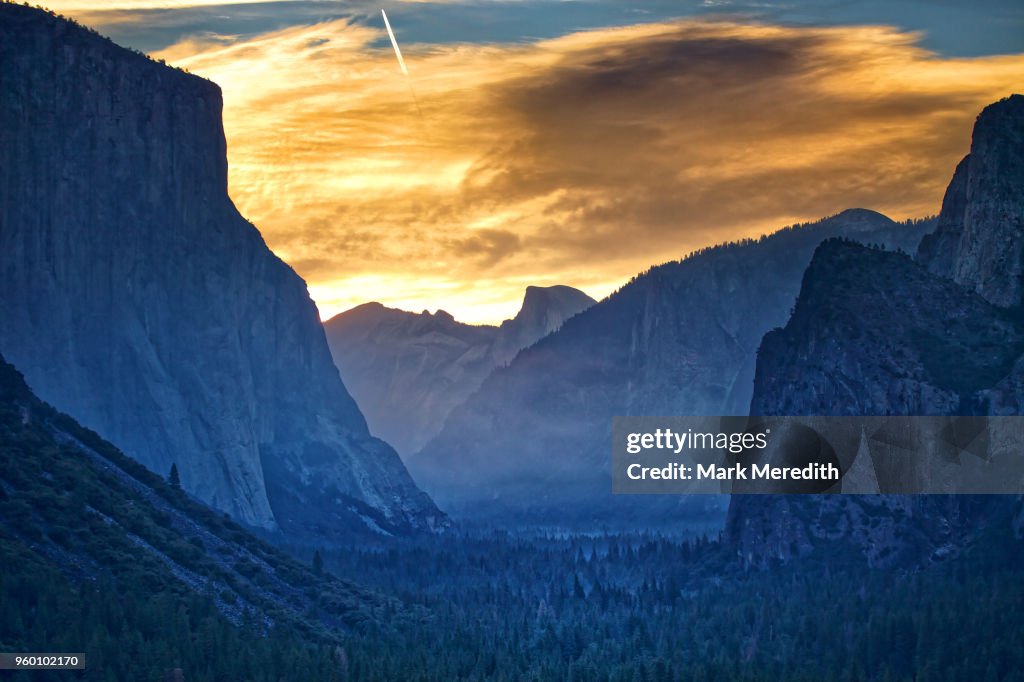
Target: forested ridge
x,y
643,608
101,556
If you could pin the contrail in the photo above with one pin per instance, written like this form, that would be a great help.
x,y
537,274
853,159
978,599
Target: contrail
x,y
401,63
394,43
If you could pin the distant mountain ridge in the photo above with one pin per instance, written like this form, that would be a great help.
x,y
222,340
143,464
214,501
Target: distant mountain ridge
x,y
138,300
407,371
678,339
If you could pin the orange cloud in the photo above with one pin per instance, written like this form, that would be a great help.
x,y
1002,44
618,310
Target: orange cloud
x,y
580,160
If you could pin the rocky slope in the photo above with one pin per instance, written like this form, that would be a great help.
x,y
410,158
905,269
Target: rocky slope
x,y
407,371
138,300
679,339
979,239
875,333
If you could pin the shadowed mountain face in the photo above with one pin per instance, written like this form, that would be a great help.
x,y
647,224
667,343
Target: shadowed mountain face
x,y
876,333
679,339
139,301
407,371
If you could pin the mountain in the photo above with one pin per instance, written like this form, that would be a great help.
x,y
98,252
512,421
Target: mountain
x,y
139,301
874,333
980,232
100,555
544,310
877,333
407,371
678,339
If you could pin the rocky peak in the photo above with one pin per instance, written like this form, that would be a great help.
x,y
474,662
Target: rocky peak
x,y
544,310
544,305
443,315
980,239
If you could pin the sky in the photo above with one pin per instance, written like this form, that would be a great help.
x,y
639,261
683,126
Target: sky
x,y
545,142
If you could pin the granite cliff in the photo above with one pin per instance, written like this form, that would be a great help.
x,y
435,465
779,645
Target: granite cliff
x,y
978,242
137,299
407,371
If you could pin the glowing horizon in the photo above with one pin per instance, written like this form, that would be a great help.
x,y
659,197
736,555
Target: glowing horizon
x,y
579,160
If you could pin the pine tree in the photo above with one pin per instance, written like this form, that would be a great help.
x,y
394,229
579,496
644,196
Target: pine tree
x,y
173,477
577,588
318,563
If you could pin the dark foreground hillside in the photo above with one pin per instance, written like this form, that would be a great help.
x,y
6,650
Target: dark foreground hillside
x,y
101,556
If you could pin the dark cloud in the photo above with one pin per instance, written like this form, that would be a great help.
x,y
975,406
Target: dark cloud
x,y
488,246
950,27
678,138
